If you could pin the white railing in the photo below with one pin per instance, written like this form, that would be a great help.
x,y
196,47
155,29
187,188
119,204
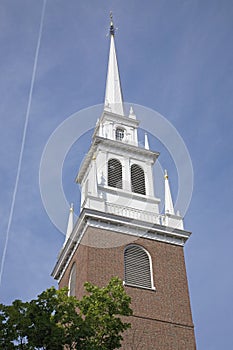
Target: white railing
x,y
133,213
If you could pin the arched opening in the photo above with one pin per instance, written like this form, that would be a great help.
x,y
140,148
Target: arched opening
x,y
120,133
137,179
138,267
114,173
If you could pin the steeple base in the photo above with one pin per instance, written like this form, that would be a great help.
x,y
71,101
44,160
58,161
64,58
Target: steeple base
x,y
161,315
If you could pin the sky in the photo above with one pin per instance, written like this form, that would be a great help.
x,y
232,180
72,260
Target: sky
x,y
175,57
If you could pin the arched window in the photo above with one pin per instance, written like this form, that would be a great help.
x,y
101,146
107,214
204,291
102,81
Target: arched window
x,y
137,179
138,267
120,133
72,280
114,173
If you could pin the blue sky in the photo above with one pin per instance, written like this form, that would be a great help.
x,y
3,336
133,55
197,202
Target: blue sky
x,y
175,57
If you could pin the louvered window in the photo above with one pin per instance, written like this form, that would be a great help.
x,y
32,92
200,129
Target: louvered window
x,y
72,280
120,134
137,179
114,173
138,271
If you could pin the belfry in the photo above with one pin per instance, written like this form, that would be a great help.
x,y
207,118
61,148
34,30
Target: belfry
x,y
121,232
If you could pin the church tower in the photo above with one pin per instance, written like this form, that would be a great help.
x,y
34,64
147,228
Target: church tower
x,y
120,231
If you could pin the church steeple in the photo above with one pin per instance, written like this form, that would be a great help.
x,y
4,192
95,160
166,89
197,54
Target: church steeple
x,y
121,232
116,177
113,94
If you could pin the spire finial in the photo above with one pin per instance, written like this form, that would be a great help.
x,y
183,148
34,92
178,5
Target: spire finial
x,y
112,29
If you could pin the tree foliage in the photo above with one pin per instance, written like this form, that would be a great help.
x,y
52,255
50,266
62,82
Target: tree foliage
x,y
55,321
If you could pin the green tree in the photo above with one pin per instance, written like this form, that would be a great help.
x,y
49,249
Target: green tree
x,y
102,309
13,326
55,320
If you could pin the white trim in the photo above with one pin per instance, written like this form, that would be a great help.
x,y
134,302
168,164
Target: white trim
x,y
70,248
137,286
143,229
72,254
130,194
70,277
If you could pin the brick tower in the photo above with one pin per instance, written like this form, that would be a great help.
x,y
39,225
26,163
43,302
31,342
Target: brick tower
x,y
120,231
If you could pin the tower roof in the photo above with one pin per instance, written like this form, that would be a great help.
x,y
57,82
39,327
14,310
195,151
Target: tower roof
x,y
113,94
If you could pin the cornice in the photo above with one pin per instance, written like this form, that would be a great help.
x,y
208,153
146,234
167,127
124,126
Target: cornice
x,y
123,225
116,146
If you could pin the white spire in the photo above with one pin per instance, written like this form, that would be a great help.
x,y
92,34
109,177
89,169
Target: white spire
x,y
70,224
169,208
146,141
113,94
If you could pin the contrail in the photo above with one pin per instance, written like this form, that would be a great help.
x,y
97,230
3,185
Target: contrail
x,y
23,139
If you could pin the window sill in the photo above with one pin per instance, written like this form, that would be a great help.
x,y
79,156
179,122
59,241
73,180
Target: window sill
x,y
137,286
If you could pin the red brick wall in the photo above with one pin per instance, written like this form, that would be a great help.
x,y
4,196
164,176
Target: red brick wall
x,y
162,318
151,334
